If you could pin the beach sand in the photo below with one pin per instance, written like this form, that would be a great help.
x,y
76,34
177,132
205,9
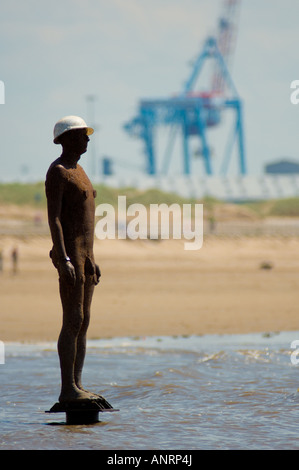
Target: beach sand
x,y
158,288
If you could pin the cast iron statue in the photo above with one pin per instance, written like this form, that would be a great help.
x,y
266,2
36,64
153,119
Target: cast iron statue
x,y
71,209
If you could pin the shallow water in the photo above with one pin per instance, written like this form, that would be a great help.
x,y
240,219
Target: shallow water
x,y
209,392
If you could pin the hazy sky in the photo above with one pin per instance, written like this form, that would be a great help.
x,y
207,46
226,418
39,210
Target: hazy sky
x,y
54,54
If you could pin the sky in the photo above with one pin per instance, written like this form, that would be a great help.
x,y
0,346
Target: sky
x,y
54,55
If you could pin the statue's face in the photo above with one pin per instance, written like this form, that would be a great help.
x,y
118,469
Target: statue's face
x,y
75,141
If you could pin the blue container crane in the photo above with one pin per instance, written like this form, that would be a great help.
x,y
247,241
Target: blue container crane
x,y
193,113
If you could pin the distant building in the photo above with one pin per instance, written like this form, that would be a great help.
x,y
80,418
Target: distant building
x,y
107,166
282,167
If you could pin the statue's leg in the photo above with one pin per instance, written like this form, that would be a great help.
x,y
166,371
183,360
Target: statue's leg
x,y
72,303
81,342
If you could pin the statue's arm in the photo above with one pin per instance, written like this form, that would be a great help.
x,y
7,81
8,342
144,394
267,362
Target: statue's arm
x,y
54,192
55,184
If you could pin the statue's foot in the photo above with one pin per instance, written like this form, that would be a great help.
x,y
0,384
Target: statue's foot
x,y
75,394
93,396
102,402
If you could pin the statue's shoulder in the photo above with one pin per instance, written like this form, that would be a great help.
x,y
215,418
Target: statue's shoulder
x,y
56,177
56,170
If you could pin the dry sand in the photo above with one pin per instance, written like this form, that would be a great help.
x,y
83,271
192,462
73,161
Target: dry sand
x,y
158,288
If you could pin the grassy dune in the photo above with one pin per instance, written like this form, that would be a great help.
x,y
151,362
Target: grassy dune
x,y
33,195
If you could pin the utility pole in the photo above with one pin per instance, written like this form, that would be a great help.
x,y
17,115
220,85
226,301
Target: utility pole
x,y
91,122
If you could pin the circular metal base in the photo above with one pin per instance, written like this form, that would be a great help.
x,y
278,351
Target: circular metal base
x,y
82,411
82,417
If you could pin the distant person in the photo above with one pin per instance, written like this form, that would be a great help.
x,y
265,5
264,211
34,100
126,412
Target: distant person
x,y
38,218
71,210
15,260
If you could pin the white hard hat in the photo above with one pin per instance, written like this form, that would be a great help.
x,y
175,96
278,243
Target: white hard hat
x,y
68,123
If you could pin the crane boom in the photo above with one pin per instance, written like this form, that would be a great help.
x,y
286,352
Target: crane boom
x,y
226,40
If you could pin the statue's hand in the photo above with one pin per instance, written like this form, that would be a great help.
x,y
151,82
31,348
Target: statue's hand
x,y
97,274
67,272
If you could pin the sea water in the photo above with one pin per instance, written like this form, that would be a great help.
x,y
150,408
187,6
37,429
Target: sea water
x,y
197,392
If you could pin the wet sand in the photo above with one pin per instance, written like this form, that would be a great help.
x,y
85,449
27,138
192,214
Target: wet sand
x,y
158,288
